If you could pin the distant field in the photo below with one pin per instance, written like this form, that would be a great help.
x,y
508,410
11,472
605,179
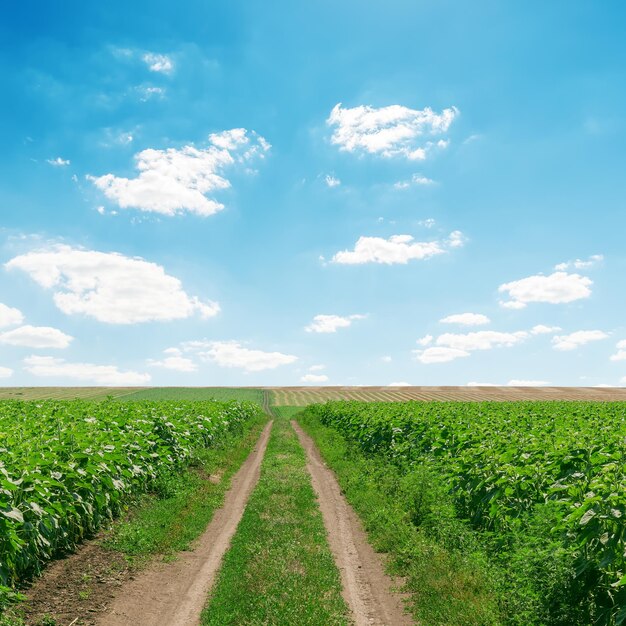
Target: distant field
x,y
64,393
303,396
198,393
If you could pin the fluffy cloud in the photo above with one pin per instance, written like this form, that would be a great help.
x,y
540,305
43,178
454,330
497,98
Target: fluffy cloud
x,y
109,375
620,355
542,329
174,181
234,354
331,323
36,337
10,316
399,384
416,179
177,363
579,338
314,378
528,383
110,287
389,131
466,319
158,62
317,368
331,181
579,264
425,340
481,340
396,249
6,372
557,288
58,162
439,355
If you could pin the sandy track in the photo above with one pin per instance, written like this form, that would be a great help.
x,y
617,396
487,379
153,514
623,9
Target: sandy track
x,y
174,594
366,587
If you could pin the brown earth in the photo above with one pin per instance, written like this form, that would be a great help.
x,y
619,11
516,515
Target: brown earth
x,y
174,594
367,589
302,396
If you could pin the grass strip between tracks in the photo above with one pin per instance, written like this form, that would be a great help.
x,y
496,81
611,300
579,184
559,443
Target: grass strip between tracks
x,y
447,584
279,569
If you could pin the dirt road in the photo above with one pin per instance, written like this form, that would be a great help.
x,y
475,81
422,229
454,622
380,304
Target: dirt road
x,y
366,587
174,594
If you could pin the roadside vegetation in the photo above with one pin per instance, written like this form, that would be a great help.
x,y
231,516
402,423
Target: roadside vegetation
x,y
220,394
279,569
69,468
532,491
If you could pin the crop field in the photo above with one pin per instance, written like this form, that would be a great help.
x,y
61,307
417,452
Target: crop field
x,y
303,396
542,483
64,393
221,394
67,467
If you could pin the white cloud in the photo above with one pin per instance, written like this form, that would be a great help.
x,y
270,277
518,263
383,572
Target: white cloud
x,y
147,92
542,329
6,372
158,62
389,131
177,363
466,319
331,323
427,223
528,383
386,359
620,355
36,337
47,366
416,179
234,354
331,181
58,162
577,339
425,340
399,384
173,181
579,264
481,340
317,368
475,384
623,381
439,355
314,378
10,316
396,249
110,287
556,288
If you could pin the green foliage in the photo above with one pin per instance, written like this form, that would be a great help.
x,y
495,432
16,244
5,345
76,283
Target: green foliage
x,y
198,393
542,481
68,467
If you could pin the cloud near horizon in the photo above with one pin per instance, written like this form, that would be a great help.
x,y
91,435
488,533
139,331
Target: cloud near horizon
x,y
109,286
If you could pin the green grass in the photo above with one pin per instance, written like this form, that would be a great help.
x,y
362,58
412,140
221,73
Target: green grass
x,y
198,393
286,412
446,571
166,521
279,569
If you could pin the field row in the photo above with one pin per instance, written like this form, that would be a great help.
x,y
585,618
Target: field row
x,y
303,396
68,467
543,483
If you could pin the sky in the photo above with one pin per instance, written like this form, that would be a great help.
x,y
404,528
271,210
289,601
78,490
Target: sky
x,y
280,193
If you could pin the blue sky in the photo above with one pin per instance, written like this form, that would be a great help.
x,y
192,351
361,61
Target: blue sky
x,y
234,193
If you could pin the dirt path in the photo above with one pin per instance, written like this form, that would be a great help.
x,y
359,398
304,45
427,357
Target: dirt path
x,y
366,587
174,594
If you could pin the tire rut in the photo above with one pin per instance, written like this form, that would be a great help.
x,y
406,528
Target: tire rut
x,y
174,594
367,589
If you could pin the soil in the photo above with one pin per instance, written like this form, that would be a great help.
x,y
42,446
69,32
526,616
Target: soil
x,y
367,589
